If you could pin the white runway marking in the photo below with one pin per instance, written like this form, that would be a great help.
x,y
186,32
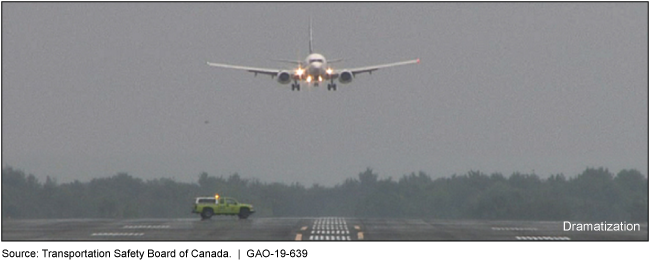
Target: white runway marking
x,y
146,226
330,228
514,228
337,238
117,234
542,238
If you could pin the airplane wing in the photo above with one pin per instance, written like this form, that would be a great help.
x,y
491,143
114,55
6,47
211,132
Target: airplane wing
x,y
370,69
297,62
265,71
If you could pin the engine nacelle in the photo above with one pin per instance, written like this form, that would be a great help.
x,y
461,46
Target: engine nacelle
x,y
345,77
284,77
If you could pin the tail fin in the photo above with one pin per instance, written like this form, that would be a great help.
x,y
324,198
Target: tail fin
x,y
311,51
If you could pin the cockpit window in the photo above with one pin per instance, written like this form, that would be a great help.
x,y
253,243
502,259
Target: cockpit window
x,y
316,60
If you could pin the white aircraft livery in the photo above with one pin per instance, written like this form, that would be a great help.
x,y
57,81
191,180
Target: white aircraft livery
x,y
314,70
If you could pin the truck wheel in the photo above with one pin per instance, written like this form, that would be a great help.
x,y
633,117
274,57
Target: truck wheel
x,y
207,213
244,213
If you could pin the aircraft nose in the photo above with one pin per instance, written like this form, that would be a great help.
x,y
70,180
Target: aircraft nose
x,y
315,68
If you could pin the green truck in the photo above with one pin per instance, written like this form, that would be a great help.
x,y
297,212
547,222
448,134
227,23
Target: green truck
x,y
210,206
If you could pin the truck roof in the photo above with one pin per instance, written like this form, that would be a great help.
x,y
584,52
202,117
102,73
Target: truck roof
x,y
205,200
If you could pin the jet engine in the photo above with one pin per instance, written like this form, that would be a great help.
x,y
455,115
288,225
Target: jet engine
x,y
284,77
345,77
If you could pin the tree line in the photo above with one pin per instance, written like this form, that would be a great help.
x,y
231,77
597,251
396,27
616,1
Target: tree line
x,y
594,195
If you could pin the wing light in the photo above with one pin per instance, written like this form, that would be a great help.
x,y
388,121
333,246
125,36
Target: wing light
x,y
300,71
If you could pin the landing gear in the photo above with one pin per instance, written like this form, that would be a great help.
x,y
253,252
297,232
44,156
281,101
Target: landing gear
x,y
295,86
331,85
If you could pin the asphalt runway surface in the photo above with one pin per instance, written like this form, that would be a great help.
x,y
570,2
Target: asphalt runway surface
x,y
302,229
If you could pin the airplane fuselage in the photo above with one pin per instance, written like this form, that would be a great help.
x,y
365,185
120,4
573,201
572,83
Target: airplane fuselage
x,y
316,69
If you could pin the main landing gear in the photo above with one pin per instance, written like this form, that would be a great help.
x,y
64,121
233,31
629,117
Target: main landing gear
x,y
331,86
295,86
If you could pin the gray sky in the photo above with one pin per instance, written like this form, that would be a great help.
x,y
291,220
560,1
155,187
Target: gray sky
x,y
92,89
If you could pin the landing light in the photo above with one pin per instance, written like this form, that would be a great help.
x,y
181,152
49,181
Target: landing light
x,y
299,71
320,79
329,71
308,79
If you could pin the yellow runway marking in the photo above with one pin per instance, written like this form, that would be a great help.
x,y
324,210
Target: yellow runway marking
x,y
303,228
357,227
298,237
360,236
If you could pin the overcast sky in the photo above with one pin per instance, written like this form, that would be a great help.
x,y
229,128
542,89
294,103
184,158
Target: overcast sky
x,y
93,89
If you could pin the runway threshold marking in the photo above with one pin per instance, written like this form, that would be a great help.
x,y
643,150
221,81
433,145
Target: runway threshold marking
x,y
328,228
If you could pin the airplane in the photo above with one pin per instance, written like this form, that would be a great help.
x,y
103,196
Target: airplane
x,y
315,69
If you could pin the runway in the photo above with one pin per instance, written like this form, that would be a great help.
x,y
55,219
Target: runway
x,y
302,229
